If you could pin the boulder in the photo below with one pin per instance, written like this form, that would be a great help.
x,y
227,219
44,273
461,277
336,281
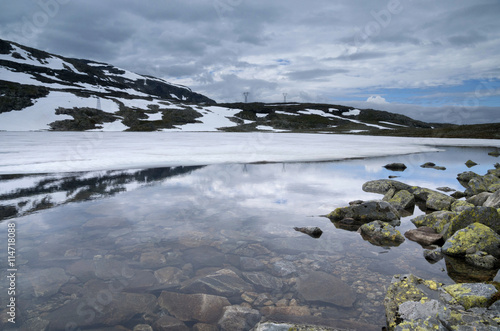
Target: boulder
x,y
383,185
433,255
428,165
493,200
395,166
381,234
470,163
432,165
193,307
481,184
314,232
465,177
412,303
406,288
425,236
471,295
323,287
479,199
460,205
494,172
238,318
436,220
402,200
482,260
473,238
445,189
439,201
366,212
485,215
458,195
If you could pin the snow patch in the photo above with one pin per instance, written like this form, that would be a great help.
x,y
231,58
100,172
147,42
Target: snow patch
x,y
48,152
352,112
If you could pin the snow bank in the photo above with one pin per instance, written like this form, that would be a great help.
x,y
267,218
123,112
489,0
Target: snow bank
x,y
46,152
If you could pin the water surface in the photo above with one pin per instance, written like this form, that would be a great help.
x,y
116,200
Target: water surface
x,y
123,231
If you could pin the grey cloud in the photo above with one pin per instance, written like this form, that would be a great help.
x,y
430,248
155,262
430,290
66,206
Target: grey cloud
x,y
314,74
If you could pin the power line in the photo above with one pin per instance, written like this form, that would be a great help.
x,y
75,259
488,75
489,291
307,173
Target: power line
x,y
246,96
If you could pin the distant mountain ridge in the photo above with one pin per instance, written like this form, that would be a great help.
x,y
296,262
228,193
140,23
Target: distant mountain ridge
x,y
43,91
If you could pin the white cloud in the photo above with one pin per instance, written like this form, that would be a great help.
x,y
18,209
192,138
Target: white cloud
x,y
376,99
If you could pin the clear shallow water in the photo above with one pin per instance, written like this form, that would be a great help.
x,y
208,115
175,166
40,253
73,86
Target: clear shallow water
x,y
140,232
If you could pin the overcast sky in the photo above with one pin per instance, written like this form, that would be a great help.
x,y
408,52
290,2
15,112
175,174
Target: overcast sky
x,y
429,59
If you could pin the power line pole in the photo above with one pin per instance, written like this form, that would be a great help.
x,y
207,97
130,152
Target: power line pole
x,y
246,96
284,97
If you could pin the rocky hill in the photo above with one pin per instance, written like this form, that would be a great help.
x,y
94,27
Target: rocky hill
x,y
43,91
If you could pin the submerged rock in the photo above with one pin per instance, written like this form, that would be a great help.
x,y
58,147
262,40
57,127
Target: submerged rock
x,y
193,307
223,282
238,318
166,322
323,287
381,234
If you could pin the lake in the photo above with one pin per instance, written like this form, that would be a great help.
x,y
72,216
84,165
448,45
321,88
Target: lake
x,y
95,250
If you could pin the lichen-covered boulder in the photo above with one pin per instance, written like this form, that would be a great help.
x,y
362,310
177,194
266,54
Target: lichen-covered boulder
x,y
402,200
472,295
381,234
412,303
460,205
485,215
493,200
481,184
479,199
439,201
494,172
482,260
475,237
436,220
466,176
382,186
406,288
366,211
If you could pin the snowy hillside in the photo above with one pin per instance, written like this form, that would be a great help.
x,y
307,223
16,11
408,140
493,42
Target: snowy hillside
x,y
42,91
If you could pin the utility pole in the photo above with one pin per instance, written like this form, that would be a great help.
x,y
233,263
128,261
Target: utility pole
x,y
246,96
284,97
